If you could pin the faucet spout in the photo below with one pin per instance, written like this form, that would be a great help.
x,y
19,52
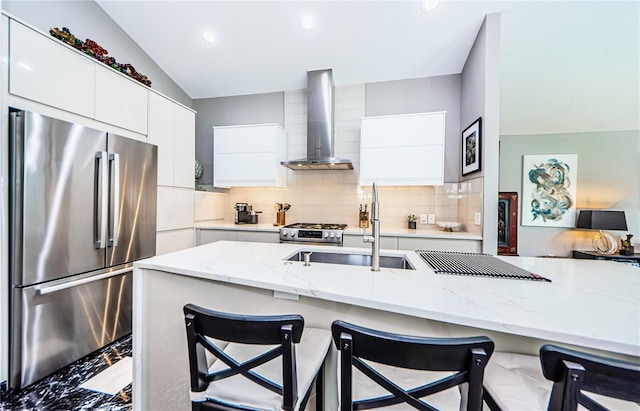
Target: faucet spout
x,y
374,238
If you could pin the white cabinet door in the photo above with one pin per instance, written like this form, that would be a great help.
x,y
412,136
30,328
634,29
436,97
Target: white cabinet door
x,y
120,101
175,208
184,147
403,149
161,132
175,240
45,70
173,129
249,156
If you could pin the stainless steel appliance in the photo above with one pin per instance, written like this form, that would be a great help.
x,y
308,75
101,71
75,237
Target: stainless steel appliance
x,y
82,209
245,214
316,234
320,127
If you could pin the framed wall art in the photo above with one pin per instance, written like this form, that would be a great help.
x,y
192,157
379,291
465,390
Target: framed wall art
x,y
549,184
508,223
471,147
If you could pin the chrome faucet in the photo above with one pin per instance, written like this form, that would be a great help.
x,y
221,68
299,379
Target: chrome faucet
x,y
374,238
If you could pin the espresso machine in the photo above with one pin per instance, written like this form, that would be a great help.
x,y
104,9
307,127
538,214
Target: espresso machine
x,y
245,214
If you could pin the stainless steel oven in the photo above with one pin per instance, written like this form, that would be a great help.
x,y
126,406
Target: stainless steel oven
x,y
313,234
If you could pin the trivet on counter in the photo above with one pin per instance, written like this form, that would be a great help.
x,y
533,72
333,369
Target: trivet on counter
x,y
474,264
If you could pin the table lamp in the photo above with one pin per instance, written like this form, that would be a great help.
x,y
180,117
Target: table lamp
x,y
603,243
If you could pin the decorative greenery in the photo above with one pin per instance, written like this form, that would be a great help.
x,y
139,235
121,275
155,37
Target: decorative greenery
x,y
199,170
94,50
411,218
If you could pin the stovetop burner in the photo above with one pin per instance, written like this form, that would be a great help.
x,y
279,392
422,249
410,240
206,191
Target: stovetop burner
x,y
315,226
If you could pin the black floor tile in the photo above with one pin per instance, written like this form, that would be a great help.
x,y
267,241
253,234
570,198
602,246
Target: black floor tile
x,y
60,392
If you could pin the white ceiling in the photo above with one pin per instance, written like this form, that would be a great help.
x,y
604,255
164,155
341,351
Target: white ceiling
x,y
261,45
550,49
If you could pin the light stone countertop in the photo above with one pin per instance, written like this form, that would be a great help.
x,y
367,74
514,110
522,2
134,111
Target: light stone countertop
x,y
589,303
386,231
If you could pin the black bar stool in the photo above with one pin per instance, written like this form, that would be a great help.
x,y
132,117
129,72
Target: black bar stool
x,y
243,377
517,382
396,363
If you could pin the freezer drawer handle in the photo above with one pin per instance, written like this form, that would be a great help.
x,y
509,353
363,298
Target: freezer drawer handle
x,y
71,284
101,215
113,241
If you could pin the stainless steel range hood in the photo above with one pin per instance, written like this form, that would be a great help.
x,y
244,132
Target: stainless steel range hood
x,y
319,126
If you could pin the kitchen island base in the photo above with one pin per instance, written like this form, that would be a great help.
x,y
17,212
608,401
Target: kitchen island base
x,y
161,380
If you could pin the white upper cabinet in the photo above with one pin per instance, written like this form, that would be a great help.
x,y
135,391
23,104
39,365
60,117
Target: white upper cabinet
x,y
184,146
172,129
249,156
403,150
120,101
44,70
161,131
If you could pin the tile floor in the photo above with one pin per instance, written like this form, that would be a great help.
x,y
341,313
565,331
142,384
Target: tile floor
x,y
61,391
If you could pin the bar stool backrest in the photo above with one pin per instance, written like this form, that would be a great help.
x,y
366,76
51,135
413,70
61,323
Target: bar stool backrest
x,y
573,372
283,331
465,357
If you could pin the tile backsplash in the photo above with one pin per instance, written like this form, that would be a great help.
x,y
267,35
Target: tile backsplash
x,y
334,196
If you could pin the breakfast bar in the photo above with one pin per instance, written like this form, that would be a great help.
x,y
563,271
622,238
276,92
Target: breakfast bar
x,y
590,305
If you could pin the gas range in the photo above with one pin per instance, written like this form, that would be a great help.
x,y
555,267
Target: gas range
x,y
309,233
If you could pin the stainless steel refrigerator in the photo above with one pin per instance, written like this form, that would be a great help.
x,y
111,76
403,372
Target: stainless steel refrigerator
x,y
82,209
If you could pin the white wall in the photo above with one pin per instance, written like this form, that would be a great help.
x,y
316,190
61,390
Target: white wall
x,y
574,70
573,100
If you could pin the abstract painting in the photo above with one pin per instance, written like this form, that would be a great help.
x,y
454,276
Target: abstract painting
x,y
549,190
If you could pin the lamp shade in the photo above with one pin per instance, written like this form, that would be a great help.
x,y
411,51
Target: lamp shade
x,y
602,220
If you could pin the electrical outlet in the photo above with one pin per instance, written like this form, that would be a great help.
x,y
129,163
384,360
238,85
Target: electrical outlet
x,y
477,218
432,218
423,219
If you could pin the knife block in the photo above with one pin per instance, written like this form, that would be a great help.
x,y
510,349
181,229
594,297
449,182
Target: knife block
x,y
364,219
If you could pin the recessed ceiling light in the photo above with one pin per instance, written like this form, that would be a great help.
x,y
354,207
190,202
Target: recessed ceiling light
x,y
428,5
208,37
307,22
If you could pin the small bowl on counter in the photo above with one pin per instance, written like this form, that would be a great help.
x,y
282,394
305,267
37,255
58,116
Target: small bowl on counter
x,y
449,226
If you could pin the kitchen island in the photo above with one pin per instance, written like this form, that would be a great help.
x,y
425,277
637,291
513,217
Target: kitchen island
x,y
589,304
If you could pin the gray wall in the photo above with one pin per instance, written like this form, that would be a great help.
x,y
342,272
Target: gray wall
x,y
608,178
441,93
86,19
480,97
231,111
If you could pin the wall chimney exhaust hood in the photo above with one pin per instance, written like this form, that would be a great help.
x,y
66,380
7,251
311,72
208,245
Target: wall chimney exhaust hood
x,y
319,126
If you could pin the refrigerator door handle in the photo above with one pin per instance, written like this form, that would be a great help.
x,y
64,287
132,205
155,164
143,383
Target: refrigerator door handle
x,y
113,241
101,206
59,287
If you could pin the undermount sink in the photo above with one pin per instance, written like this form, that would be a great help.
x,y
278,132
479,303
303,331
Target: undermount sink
x,y
386,261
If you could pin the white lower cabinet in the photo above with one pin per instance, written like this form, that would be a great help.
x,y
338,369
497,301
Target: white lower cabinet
x,y
174,240
249,156
205,236
402,150
440,244
417,243
389,243
175,208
